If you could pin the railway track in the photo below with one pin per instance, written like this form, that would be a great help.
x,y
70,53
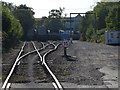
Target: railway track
x,y
41,54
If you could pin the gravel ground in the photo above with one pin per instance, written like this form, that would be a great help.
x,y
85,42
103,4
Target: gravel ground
x,y
85,63
8,59
30,69
24,71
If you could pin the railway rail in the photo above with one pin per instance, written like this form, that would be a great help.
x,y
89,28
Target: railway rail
x,y
42,54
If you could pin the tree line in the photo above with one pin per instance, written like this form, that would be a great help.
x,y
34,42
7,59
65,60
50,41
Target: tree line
x,y
16,21
54,22
106,17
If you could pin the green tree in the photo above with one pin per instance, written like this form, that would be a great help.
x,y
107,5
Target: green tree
x,y
11,28
55,13
101,11
107,18
40,22
90,32
86,21
54,25
54,22
113,18
82,28
25,15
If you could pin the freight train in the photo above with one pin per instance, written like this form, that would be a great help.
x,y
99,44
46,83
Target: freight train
x,y
42,34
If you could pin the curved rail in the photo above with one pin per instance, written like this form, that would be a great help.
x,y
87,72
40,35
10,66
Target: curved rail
x,y
19,57
43,47
47,67
11,71
59,86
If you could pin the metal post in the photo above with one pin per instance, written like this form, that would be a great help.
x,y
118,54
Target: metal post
x,y
95,34
70,27
95,29
65,51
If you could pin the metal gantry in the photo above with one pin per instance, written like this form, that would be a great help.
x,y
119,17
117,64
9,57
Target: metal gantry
x,y
95,34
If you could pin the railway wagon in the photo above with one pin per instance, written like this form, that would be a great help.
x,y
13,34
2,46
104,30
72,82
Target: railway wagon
x,y
112,37
42,34
54,36
31,34
64,34
76,35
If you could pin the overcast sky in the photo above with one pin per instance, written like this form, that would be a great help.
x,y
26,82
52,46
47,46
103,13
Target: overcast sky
x,y
42,7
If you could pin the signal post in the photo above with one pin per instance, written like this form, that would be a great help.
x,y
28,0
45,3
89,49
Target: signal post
x,y
65,37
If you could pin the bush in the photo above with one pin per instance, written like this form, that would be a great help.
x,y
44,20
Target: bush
x,y
101,35
90,33
11,29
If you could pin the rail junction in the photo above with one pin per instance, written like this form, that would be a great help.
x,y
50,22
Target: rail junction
x,y
45,49
35,65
